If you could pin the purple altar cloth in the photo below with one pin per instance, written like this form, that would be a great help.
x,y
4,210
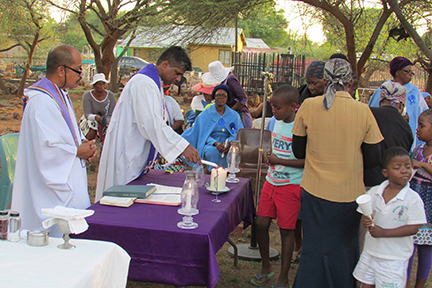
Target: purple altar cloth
x,y
160,251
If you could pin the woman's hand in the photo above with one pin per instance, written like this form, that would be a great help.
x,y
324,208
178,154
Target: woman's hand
x,y
98,119
220,147
417,164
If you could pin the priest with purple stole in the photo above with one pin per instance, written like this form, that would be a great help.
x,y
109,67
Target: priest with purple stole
x,y
52,152
138,129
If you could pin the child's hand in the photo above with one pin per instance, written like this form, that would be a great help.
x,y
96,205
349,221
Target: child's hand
x,y
367,221
417,164
376,231
266,160
272,159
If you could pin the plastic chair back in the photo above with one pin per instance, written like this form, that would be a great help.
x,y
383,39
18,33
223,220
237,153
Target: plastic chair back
x,y
249,140
8,153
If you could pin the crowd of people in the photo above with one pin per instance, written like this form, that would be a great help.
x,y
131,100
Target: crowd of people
x,y
327,149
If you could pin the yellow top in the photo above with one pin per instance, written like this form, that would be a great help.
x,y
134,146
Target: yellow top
x,y
334,161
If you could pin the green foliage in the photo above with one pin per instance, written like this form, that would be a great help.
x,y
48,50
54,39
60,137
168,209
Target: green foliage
x,y
385,47
267,24
70,31
23,20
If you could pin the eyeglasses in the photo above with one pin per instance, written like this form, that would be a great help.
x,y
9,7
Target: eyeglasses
x,y
79,72
221,95
409,72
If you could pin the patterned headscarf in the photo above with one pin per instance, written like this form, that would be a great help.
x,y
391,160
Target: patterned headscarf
x,y
336,72
315,69
394,92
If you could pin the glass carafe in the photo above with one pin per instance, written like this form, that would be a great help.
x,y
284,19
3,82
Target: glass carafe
x,y
189,199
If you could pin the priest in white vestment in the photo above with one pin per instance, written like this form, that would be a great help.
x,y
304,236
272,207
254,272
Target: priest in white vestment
x,y
138,126
50,167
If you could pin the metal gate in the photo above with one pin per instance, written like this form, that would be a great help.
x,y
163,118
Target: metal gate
x,y
286,69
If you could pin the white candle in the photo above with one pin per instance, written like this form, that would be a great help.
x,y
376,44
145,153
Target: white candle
x,y
212,179
188,206
222,175
233,158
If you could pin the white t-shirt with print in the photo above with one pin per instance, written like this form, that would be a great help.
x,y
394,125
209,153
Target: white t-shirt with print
x,y
406,208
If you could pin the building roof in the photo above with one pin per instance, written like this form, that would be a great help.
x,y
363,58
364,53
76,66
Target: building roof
x,y
256,43
151,37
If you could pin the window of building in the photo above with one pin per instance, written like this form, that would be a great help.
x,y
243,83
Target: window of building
x,y
225,57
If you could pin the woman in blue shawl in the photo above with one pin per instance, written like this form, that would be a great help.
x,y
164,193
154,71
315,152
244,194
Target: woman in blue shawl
x,y
401,69
213,127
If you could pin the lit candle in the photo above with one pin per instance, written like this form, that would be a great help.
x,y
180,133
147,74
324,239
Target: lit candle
x,y
222,175
233,158
188,206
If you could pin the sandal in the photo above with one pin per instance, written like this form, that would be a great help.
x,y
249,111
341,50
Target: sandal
x,y
296,255
267,277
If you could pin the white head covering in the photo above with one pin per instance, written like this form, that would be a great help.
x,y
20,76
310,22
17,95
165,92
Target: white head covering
x,y
217,73
98,77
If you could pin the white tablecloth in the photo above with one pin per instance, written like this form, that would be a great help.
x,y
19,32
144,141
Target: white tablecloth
x,y
90,264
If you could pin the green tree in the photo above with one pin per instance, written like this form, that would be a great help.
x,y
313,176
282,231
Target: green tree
x,y
267,24
25,24
348,13
385,47
114,24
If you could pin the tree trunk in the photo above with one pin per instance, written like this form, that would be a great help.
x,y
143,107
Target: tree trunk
x,y
351,45
428,87
114,86
370,46
31,50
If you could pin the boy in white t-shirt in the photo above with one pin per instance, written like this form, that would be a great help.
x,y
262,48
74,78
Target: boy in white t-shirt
x,y
398,212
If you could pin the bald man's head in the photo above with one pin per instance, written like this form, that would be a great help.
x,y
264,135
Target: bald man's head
x,y
62,54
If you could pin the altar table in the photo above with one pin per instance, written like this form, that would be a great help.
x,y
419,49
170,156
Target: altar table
x,y
90,264
160,251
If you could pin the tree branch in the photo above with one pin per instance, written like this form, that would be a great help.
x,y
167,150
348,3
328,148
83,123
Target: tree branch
x,y
413,33
11,47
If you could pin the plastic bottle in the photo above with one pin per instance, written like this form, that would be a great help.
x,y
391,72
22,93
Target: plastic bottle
x,y
14,230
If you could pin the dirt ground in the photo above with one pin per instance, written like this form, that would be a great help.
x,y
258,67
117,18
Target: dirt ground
x,y
230,276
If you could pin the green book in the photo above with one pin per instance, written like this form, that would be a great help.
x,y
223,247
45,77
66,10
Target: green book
x,y
139,191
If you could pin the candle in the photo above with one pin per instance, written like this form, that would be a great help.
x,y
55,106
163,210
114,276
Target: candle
x,y
233,157
188,206
213,176
221,182
218,179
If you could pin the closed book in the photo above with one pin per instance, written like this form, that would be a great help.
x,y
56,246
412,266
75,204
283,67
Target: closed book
x,y
139,191
117,201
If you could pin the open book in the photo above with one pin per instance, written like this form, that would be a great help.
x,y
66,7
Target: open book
x,y
164,195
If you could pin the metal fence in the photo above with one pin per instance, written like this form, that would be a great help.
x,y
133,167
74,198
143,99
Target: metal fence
x,y
381,76
286,69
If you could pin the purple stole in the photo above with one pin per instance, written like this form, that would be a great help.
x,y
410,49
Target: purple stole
x,y
48,87
151,71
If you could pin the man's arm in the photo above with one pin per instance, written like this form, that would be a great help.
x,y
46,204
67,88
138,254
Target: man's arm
x,y
177,124
191,155
147,108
